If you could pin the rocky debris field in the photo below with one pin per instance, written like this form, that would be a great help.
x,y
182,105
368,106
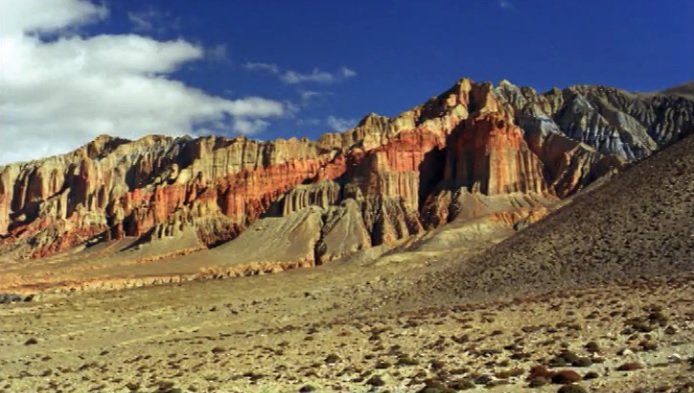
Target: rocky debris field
x,y
330,330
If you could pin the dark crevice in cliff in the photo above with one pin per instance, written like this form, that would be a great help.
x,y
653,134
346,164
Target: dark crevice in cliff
x,y
431,172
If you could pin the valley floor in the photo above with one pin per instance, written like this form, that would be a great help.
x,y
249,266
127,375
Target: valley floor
x,y
332,328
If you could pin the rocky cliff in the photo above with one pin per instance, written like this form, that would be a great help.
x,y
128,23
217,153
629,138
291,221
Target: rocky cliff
x,y
384,180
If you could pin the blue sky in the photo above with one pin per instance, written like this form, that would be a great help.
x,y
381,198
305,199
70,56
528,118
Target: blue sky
x,y
330,63
407,51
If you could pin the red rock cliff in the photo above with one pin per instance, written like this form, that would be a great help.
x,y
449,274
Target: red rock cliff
x,y
400,175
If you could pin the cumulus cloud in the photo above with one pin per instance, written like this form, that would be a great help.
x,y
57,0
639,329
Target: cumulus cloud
x,y
246,126
32,16
340,124
56,95
294,77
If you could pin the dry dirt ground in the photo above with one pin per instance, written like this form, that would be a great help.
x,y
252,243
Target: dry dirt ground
x,y
333,328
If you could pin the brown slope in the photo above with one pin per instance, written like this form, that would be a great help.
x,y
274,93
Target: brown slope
x,y
685,90
639,224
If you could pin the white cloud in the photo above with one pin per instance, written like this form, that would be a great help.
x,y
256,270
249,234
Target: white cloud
x,y
57,95
294,77
340,124
30,16
248,127
309,122
217,53
272,68
290,109
141,21
505,4
347,73
318,76
306,95
152,20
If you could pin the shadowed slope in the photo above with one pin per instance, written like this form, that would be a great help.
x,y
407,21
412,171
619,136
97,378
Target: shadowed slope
x,y
639,224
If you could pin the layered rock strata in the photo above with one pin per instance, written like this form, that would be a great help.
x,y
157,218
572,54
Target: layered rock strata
x,y
384,180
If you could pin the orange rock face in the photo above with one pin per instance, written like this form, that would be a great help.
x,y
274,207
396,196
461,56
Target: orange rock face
x,y
489,155
399,176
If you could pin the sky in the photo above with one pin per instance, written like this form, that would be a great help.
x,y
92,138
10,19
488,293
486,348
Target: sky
x,y
71,70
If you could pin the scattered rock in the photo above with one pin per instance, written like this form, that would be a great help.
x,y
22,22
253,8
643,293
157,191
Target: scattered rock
x,y
572,389
591,375
536,382
565,377
375,380
631,366
332,358
432,386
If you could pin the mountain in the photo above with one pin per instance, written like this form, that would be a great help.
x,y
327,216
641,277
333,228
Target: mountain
x,y
639,224
476,150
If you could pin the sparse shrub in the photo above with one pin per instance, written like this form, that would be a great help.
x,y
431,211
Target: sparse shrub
x,y
167,387
593,315
306,389
558,362
9,298
641,326
406,360
459,371
462,339
659,317
568,356
31,341
482,379
514,372
565,377
431,386
461,384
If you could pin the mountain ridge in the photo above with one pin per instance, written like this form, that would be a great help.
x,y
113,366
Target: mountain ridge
x,y
403,175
